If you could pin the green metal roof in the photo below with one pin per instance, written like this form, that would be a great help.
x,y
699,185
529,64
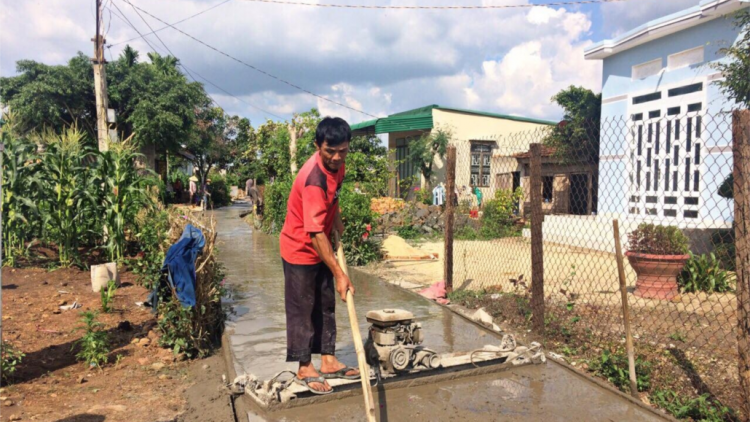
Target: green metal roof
x,y
421,119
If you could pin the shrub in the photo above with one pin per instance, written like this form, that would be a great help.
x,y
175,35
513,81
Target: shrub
x,y
11,358
704,273
724,248
219,191
407,231
358,219
466,233
658,240
108,295
152,242
274,205
614,367
465,297
94,345
701,408
498,215
423,195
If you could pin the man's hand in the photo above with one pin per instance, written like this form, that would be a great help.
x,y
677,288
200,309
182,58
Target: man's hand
x,y
343,284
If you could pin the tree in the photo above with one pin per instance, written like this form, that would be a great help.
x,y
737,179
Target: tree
x,y
153,100
369,145
736,83
576,137
210,143
302,137
367,164
422,151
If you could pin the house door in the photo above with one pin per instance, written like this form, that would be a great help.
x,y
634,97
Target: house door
x,y
579,194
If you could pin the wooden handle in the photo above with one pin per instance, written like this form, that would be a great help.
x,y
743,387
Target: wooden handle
x,y
364,368
625,311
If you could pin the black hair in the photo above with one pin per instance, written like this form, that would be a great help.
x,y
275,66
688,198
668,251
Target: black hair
x,y
335,130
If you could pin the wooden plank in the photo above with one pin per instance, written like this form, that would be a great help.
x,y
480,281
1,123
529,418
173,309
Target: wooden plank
x,y
625,310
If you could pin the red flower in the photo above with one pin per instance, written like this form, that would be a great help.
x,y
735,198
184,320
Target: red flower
x,y
368,228
365,236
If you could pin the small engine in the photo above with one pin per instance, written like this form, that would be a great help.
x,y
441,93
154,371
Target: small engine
x,y
394,342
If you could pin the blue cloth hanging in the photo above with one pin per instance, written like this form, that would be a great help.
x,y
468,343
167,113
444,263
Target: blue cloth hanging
x,y
179,267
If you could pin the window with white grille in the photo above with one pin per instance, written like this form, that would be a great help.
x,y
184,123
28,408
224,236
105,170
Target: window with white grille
x,y
667,154
685,58
644,70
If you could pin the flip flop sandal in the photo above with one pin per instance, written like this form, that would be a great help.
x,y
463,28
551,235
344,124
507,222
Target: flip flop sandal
x,y
305,382
341,374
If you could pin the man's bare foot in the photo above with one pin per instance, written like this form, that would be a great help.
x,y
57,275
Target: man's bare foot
x,y
329,364
307,370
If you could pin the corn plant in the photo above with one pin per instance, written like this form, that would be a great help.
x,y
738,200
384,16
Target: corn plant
x,y
69,201
108,295
21,184
122,196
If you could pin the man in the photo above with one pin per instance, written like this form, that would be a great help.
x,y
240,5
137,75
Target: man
x,y
250,192
309,262
193,189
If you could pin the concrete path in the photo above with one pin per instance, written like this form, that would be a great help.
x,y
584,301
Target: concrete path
x,y
257,339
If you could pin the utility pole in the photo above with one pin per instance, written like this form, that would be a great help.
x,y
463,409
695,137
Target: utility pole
x,y
100,82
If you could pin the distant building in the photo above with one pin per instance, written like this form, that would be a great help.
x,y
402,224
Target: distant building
x,y
663,133
484,151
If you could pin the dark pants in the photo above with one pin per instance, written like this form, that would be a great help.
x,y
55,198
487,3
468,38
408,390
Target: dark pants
x,y
310,299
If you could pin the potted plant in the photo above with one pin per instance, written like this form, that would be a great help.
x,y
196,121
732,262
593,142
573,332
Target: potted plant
x,y
657,254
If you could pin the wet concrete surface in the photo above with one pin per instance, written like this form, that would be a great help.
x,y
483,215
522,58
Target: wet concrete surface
x,y
257,338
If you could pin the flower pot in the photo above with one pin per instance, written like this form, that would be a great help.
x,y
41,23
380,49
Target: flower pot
x,y
657,274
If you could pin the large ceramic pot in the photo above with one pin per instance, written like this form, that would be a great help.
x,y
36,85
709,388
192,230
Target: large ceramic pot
x,y
657,274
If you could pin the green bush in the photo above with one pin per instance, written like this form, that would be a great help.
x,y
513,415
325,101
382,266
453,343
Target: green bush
x,y
701,408
658,240
274,205
704,273
407,231
499,213
466,297
724,248
11,359
466,233
359,221
220,195
152,242
614,367
94,345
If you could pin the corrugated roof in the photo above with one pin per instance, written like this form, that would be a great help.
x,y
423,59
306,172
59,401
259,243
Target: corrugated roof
x,y
421,119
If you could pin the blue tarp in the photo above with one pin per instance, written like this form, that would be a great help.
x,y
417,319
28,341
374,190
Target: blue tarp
x,y
179,266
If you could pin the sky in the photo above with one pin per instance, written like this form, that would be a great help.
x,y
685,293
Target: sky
x,y
380,62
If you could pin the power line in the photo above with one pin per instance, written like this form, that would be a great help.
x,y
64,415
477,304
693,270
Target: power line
x,y
254,67
174,23
189,70
478,7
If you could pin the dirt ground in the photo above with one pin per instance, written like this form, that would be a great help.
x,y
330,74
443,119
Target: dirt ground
x,y
141,382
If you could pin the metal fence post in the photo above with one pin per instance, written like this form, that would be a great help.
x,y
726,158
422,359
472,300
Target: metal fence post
x,y
537,248
741,158
450,188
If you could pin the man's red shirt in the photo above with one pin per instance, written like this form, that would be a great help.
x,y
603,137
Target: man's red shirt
x,y
311,208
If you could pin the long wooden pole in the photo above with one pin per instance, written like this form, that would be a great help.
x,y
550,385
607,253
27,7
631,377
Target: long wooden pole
x,y
450,187
741,191
625,311
537,240
364,368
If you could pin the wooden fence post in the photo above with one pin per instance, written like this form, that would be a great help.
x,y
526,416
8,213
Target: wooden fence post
x,y
537,246
450,188
741,158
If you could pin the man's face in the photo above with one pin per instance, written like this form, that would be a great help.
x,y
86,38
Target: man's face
x,y
333,157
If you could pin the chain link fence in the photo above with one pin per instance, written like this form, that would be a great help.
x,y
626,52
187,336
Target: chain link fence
x,y
666,176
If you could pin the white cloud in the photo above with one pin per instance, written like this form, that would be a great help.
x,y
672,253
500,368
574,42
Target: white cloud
x,y
622,17
510,60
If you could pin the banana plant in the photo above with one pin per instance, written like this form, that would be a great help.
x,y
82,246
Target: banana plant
x,y
21,184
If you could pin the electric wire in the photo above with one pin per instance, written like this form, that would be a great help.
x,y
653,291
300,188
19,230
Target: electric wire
x,y
174,23
284,81
191,72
